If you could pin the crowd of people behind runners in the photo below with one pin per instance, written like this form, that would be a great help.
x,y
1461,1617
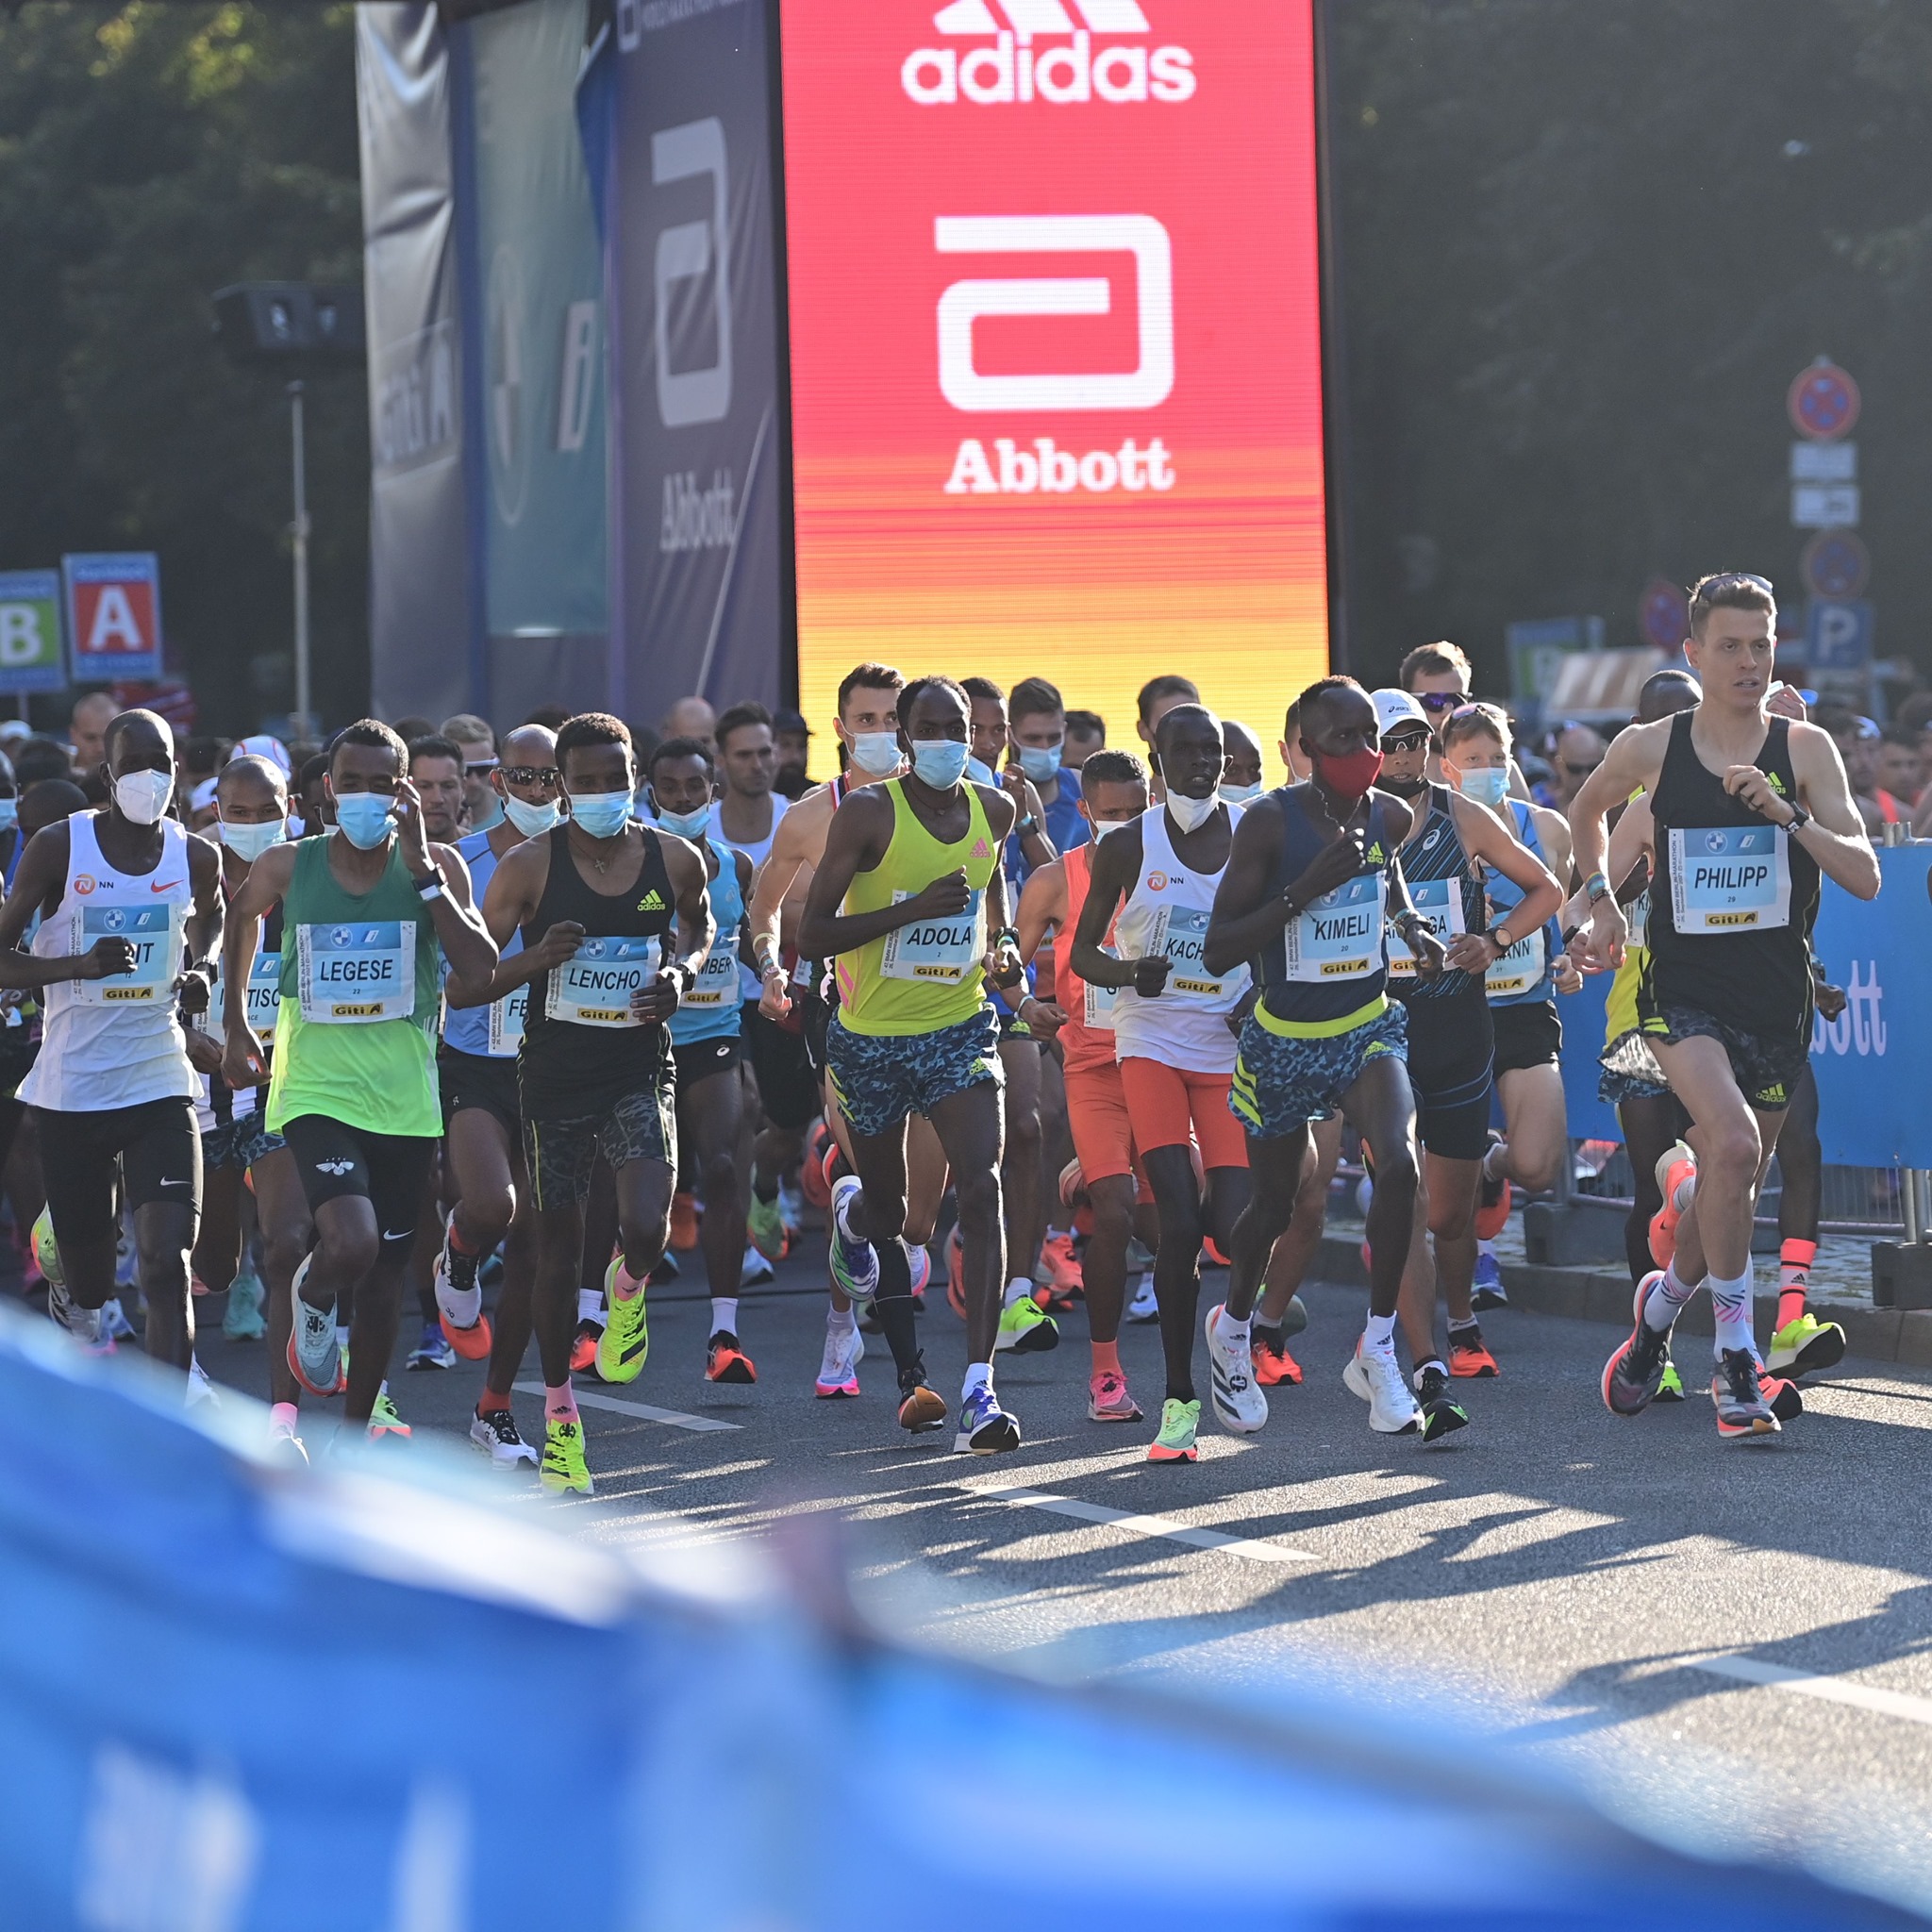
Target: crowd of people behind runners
x,y
376,1027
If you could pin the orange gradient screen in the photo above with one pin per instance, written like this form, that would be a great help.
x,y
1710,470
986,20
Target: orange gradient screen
x,y
1055,347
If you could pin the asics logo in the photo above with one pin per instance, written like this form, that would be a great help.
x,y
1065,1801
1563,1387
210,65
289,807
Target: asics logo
x,y
1013,70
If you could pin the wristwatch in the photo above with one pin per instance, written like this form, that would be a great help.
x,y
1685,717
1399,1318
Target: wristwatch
x,y
1500,933
1799,819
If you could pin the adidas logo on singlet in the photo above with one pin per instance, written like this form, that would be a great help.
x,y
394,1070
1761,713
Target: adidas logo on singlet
x,y
1373,854
652,902
981,849
1776,783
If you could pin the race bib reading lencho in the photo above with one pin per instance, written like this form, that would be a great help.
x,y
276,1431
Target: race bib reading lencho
x,y
1180,934
1339,936
1732,878
355,975
507,1022
595,988
717,985
155,934
1438,901
942,949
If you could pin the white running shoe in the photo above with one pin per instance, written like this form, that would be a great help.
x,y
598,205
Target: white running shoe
x,y
285,1446
496,1432
86,1325
313,1357
755,1271
1143,1307
1376,1378
839,1365
200,1389
1240,1407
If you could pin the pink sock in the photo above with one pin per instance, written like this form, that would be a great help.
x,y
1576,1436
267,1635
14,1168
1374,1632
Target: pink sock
x,y
623,1283
284,1415
560,1403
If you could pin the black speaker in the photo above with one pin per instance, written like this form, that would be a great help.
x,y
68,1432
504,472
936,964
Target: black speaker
x,y
290,323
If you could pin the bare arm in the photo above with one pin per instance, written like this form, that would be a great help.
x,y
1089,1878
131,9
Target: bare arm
x,y
684,864
1116,861
792,853
243,1062
1486,837
510,901
202,930
37,887
1835,836
1631,764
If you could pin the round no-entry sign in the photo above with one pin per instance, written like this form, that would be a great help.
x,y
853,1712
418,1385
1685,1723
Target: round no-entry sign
x,y
1823,402
1836,565
1663,614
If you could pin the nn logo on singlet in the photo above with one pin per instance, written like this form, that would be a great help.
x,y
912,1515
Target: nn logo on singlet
x,y
652,902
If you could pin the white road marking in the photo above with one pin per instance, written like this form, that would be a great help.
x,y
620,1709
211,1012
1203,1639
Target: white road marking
x,y
1750,1670
1163,1526
677,1419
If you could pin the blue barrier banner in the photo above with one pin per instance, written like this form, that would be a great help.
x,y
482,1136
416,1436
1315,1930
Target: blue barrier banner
x,y
1582,1014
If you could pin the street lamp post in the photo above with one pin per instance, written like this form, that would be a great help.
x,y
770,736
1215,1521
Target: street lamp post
x,y
299,530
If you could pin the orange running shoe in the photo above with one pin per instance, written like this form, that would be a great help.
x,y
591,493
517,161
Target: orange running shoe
x,y
1491,1213
813,1183
684,1222
1274,1365
724,1361
1467,1355
583,1348
1673,1168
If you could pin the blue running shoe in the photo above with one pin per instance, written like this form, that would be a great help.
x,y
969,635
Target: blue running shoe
x,y
985,1427
1486,1288
854,1263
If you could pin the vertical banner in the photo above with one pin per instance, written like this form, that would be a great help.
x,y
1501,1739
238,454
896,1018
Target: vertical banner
x,y
113,616
697,470
539,284
30,655
1056,345
423,624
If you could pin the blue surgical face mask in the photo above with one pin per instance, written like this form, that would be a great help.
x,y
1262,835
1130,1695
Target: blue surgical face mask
x,y
1241,794
9,814
532,821
1488,787
248,842
363,818
942,763
975,769
876,752
600,814
686,824
1040,761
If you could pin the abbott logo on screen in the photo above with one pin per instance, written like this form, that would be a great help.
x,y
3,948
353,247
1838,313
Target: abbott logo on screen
x,y
1013,69
1144,387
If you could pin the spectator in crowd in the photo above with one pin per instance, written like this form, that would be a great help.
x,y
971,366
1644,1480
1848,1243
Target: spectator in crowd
x,y
1899,783
472,737
794,753
311,801
1086,735
86,727
691,718
1579,752
1857,740
410,730
1438,678
196,761
40,759
552,717
264,744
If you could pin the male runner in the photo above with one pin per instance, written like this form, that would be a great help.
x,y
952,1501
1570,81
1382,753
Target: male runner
x,y
1748,810
476,743
1152,883
368,911
1308,888
1086,735
483,1135
909,900
594,899
130,907
1240,779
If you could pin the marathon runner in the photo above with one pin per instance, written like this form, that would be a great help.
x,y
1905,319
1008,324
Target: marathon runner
x,y
1748,809
368,911
594,900
1152,886
483,1134
130,908
909,900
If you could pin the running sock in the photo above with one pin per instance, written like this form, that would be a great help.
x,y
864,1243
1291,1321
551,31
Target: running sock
x,y
1495,1161
978,1375
893,1305
1684,1193
1731,1302
1466,1326
1379,1334
284,1415
561,1403
1666,1299
1232,1333
461,1306
454,1229
1794,1260
840,1320
1489,1248
1018,1289
590,1305
1107,1357
725,1314
623,1283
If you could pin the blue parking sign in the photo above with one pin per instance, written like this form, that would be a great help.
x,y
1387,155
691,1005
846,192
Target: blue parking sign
x,y
1837,635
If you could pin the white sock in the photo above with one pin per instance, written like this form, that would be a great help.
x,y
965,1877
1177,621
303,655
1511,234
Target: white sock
x,y
590,1304
840,1320
1731,1305
1487,1248
1494,1159
1378,1335
978,1375
725,1314
1230,1333
1019,1289
1666,1299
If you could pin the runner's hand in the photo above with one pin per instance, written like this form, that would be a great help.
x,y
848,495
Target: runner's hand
x,y
205,1051
654,1004
1472,952
775,1001
1785,703
410,837
947,894
243,1063
1566,974
1042,1017
105,959
1004,965
1751,787
195,991
1830,999
1332,866
1602,939
558,946
1150,973
1429,955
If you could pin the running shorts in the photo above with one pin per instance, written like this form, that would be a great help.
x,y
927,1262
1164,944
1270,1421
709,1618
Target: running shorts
x,y
238,1143
698,1059
1450,1054
1283,1079
1169,1107
560,1153
153,1147
480,1081
389,1171
781,1060
1528,1035
879,1079
1766,1066
1097,1120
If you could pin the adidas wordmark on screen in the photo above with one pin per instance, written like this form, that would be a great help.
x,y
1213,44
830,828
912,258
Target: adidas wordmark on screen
x,y
1070,69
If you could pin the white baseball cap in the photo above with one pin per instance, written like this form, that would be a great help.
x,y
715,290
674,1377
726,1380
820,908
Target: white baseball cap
x,y
1397,708
265,747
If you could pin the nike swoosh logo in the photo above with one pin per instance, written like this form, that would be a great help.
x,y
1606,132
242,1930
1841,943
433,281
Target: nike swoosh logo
x,y
171,886
402,1237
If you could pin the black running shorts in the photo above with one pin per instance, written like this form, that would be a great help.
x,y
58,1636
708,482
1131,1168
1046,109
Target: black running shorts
x,y
1451,1045
1527,1035
155,1146
389,1171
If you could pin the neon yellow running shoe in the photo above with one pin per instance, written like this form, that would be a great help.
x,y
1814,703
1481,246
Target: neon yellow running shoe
x,y
1805,1346
1026,1327
1180,1423
45,1252
627,1337
564,1468
1672,1387
383,1419
765,1225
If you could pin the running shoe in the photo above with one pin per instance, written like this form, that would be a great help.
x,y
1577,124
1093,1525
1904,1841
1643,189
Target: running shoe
x,y
1633,1374
1672,1387
813,1181
115,1326
433,1351
839,1365
985,1427
1492,1208
724,1361
1468,1357
1142,1305
84,1324
46,1250
855,1262
285,1446
456,1294
755,1271
243,1321
1274,1365
1485,1289
1059,1268
684,1222
765,1225
1441,1416
583,1347
200,1389
627,1337
1294,1318
922,1408
1786,1402
1376,1377
1181,1425
563,1469
1742,1412
496,1430
1026,1329
1240,1407
1107,1400
314,1359
1674,1166
955,1272
1805,1346
383,1419
919,1267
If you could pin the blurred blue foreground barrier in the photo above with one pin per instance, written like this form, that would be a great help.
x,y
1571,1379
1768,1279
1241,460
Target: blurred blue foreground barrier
x,y
211,1721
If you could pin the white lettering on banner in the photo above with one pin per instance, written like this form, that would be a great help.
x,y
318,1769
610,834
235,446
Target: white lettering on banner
x,y
1146,386
686,252
1860,1028
415,382
576,381
695,518
1014,71
1051,471
20,634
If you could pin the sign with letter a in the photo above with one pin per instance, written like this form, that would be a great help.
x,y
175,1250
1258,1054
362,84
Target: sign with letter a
x,y
113,616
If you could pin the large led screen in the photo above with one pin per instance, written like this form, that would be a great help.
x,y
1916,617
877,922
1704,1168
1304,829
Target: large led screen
x,y
1056,346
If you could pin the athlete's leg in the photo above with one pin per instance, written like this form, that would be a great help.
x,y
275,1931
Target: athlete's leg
x,y
1176,1260
1382,1109
560,1254
1293,1252
1277,1165
926,1173
286,1232
218,1245
970,1125
477,1157
1715,1233
160,1169
712,1112
1536,1124
1651,1124
400,1170
1020,1173
1801,1165
511,1334
878,1216
1452,1188
1105,1268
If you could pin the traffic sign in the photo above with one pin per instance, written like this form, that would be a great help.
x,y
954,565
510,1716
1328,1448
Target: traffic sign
x,y
1823,401
30,655
1837,636
1663,615
113,615
1836,565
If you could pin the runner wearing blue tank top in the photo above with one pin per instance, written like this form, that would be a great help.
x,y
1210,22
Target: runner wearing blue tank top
x,y
483,1135
707,1039
1314,877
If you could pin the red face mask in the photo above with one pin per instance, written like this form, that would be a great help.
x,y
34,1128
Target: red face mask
x,y
1351,775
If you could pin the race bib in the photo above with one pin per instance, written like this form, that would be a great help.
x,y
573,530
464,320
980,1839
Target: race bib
x,y
717,986
593,989
1098,1010
1731,878
1439,902
942,949
1339,936
1637,916
264,997
1180,934
1522,967
507,1022
355,976
153,931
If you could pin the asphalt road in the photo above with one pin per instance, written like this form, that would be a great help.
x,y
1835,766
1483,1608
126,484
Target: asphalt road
x,y
1728,1643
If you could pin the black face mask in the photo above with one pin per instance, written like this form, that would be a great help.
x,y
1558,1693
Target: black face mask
x,y
1403,788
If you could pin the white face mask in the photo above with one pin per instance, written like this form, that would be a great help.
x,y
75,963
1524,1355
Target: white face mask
x,y
876,752
1189,814
531,820
1100,827
144,797
1241,794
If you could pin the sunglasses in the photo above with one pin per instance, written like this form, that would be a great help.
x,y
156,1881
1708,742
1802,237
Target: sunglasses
x,y
527,774
1731,580
1577,771
1407,740
480,768
1439,700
